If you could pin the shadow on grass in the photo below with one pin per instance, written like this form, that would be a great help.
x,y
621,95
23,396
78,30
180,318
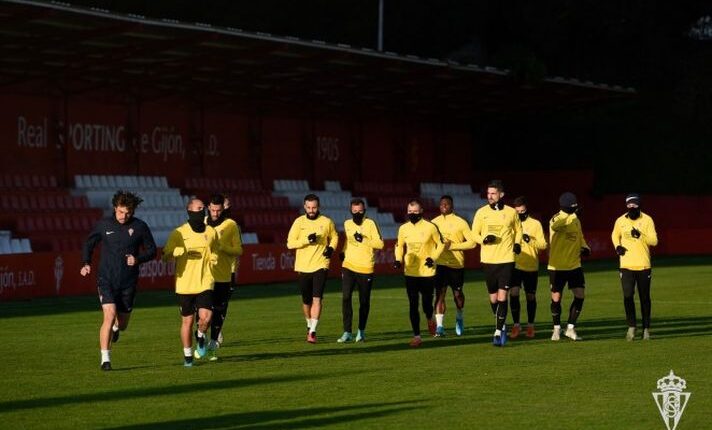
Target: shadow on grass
x,y
603,329
311,417
151,391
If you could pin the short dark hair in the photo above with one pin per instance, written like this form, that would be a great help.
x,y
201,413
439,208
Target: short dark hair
x,y
520,201
357,202
311,198
496,183
217,199
126,199
447,197
415,202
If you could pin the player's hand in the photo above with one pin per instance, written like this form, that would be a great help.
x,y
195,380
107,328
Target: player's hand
x,y
620,250
358,236
213,259
517,248
585,252
312,238
490,238
397,265
635,233
86,269
178,251
328,251
130,260
429,262
342,256
526,238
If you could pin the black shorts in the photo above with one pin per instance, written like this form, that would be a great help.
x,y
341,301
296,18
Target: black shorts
x,y
449,277
123,298
529,280
559,278
312,285
631,278
190,303
498,276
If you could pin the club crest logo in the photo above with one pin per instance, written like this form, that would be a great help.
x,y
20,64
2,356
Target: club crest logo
x,y
671,399
131,230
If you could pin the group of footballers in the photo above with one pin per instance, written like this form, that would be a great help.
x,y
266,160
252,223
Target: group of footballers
x,y
430,253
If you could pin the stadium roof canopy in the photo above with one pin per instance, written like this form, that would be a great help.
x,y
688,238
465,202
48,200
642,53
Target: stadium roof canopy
x,y
57,48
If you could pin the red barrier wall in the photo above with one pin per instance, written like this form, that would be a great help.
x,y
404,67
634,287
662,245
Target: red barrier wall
x,y
52,274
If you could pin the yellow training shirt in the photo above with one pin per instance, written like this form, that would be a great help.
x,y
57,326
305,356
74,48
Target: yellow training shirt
x,y
309,258
230,248
528,260
565,241
421,240
360,256
456,230
195,255
504,225
637,256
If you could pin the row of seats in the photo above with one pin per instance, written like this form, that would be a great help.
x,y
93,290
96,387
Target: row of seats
x,y
27,182
9,245
438,189
383,188
224,185
114,182
169,198
80,223
288,185
246,202
42,201
253,220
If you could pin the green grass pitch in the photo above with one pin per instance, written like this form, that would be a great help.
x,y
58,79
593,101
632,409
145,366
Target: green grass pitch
x,y
268,377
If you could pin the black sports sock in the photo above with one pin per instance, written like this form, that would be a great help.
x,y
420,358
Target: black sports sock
x,y
494,308
629,305
516,308
556,312
531,311
575,310
501,314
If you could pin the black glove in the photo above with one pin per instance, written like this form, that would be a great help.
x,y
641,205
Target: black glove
x,y
328,251
620,250
429,262
585,252
526,238
517,248
490,238
358,236
397,265
635,233
312,238
342,256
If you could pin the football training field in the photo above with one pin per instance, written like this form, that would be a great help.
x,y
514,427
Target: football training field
x,y
268,377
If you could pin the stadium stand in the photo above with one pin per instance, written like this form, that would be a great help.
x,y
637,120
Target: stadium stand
x,y
466,201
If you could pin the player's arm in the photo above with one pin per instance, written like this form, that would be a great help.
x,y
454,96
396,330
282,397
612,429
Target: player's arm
x,y
374,238
293,239
649,234
229,241
174,246
477,226
560,220
538,237
333,235
148,252
214,246
616,234
468,243
438,240
399,245
517,230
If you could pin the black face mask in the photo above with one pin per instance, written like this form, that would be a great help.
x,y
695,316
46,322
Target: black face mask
x,y
633,213
218,221
497,206
569,210
523,216
414,217
313,217
196,219
358,217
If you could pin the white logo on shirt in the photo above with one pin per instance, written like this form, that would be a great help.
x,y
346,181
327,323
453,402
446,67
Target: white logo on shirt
x,y
109,232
